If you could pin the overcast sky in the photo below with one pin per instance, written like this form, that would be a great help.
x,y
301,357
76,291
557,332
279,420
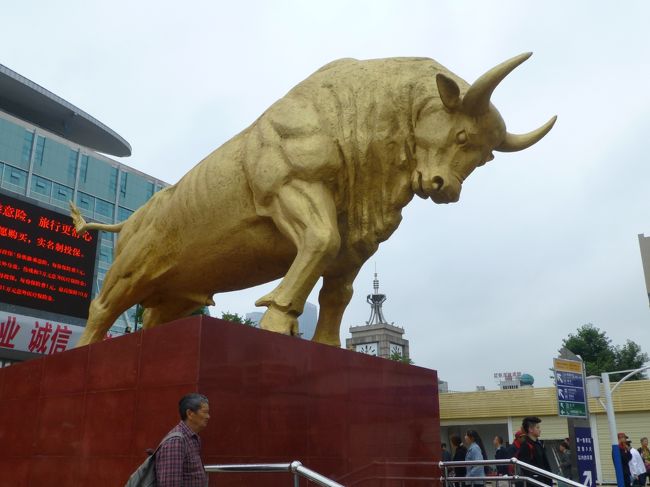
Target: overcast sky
x,y
541,242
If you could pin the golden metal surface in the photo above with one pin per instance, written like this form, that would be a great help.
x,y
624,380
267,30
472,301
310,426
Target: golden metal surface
x,y
310,189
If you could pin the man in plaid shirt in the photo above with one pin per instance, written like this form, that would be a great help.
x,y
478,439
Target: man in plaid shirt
x,y
178,460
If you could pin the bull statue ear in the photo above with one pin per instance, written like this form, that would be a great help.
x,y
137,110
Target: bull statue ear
x,y
449,91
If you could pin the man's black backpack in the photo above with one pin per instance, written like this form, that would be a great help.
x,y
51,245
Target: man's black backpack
x,y
145,475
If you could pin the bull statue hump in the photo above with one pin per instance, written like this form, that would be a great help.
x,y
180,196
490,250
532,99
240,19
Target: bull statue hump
x,y
309,190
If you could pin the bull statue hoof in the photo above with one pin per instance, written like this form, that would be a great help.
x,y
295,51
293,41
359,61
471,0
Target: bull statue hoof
x,y
279,321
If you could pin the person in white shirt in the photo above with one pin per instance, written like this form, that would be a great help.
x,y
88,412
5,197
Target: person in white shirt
x,y
637,467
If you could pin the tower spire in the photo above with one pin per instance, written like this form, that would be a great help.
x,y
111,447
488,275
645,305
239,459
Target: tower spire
x,y
375,301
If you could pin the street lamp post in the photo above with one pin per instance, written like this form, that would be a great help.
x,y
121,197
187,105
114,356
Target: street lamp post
x,y
613,435
611,418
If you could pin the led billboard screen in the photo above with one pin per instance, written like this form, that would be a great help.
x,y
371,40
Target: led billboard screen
x,y
44,263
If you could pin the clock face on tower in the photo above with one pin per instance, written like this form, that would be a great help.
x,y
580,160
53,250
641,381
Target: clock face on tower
x,y
367,348
395,348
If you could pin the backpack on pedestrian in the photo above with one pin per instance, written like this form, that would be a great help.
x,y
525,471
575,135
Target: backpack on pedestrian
x,y
145,474
514,450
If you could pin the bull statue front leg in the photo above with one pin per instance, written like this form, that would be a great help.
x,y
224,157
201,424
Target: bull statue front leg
x,y
306,214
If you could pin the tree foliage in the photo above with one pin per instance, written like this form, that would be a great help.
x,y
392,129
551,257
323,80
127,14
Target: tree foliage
x,y
398,357
599,355
235,318
139,314
203,310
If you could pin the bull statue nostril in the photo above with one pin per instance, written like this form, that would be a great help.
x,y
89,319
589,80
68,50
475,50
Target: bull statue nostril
x,y
438,183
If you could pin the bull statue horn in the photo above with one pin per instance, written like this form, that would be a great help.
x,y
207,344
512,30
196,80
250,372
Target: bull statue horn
x,y
477,98
514,143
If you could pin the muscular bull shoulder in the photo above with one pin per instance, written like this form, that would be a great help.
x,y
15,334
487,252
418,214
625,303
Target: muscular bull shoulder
x,y
291,140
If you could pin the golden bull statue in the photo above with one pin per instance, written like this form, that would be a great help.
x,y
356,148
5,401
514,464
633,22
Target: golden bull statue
x,y
310,189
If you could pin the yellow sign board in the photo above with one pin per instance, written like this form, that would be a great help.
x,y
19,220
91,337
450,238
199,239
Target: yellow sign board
x,y
562,365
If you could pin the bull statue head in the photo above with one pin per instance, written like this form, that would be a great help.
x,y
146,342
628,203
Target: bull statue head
x,y
453,139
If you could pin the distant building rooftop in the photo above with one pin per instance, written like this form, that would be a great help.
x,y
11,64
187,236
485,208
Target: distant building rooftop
x,y
30,102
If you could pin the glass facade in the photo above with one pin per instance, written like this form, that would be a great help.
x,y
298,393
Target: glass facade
x,y
42,166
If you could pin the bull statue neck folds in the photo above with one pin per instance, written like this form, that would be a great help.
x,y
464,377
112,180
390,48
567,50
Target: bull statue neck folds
x,y
309,190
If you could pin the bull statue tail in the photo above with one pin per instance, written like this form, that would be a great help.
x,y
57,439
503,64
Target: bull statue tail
x,y
81,226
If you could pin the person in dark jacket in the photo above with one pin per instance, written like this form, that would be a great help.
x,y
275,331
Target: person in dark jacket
x,y
500,453
446,454
565,460
459,456
626,456
530,449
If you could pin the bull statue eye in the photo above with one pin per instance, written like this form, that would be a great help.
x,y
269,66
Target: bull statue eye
x,y
461,137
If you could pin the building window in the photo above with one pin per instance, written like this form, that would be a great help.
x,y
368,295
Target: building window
x,y
72,165
61,193
123,185
15,144
104,208
40,150
15,178
86,203
112,182
105,254
28,141
41,186
123,214
83,169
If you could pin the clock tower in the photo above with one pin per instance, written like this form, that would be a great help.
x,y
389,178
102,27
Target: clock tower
x,y
377,336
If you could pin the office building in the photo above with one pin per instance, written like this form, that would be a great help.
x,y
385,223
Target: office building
x,y
52,152
644,245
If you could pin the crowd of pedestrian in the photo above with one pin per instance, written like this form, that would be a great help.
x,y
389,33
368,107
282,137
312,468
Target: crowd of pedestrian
x,y
527,447
634,461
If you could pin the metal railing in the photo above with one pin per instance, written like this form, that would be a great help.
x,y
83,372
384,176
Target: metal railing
x,y
299,470
370,472
519,465
296,468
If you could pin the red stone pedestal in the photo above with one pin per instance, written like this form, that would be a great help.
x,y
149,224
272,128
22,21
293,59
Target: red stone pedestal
x,y
85,417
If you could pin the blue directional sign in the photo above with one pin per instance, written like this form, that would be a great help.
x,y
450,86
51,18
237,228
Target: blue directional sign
x,y
574,394
568,379
570,386
586,456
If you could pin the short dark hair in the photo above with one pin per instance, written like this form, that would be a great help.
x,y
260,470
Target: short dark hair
x,y
455,440
499,439
565,445
192,402
529,421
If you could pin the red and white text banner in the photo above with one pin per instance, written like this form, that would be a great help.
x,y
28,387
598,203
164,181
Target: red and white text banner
x,y
36,335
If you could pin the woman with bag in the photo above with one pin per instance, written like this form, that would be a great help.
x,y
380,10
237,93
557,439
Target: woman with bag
x,y
645,455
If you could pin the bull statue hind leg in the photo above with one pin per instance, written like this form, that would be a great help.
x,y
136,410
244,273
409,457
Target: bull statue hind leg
x,y
334,297
170,308
113,299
